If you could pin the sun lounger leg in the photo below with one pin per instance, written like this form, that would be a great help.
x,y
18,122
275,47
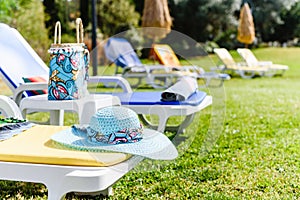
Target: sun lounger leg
x,y
104,193
161,125
246,75
57,117
158,82
186,122
269,73
135,85
53,195
146,122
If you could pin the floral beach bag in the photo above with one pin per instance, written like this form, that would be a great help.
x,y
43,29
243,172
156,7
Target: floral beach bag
x,y
68,66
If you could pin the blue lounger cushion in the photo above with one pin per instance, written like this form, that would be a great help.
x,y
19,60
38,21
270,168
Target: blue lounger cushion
x,y
154,98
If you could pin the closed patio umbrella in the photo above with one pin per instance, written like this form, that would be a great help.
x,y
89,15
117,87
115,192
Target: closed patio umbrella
x,y
156,14
246,30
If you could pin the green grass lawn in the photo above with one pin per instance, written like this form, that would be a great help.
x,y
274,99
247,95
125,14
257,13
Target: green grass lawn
x,y
253,154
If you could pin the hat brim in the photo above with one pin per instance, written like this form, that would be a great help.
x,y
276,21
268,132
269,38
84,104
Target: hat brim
x,y
154,145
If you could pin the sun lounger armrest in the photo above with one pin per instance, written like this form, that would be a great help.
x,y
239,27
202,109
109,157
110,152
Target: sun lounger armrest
x,y
28,87
9,107
265,63
148,68
160,67
123,83
218,68
242,64
153,67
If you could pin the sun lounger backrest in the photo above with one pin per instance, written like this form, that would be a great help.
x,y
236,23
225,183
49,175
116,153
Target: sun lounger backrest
x,y
248,56
18,59
225,56
165,55
120,51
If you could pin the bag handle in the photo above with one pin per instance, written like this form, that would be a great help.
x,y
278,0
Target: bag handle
x,y
79,30
57,28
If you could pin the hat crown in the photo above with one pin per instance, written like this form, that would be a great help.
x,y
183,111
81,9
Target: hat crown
x,y
112,119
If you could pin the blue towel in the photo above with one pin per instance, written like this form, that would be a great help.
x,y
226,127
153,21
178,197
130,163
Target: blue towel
x,y
154,98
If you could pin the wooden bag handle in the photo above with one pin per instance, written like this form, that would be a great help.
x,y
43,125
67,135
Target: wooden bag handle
x,y
79,30
57,28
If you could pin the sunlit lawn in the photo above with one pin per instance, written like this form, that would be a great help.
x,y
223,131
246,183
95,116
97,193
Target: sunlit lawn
x,y
256,155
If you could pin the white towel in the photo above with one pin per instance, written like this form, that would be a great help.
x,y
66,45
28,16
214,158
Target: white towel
x,y
181,90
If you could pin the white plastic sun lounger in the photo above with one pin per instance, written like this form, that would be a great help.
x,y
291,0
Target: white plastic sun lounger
x,y
149,103
58,178
251,60
242,69
19,60
22,58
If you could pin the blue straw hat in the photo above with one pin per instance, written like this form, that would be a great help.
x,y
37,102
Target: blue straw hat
x,y
117,129
114,125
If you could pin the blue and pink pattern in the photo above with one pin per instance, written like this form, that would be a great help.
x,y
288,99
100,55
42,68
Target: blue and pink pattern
x,y
68,73
129,135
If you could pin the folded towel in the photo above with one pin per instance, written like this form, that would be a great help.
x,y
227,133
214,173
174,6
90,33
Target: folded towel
x,y
181,90
12,126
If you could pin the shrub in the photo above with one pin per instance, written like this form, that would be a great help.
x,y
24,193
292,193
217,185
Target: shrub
x,y
30,23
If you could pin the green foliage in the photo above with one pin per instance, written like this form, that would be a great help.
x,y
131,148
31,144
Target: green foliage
x,y
209,46
210,18
266,17
192,9
7,10
227,39
116,16
28,17
64,11
29,21
214,20
290,28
